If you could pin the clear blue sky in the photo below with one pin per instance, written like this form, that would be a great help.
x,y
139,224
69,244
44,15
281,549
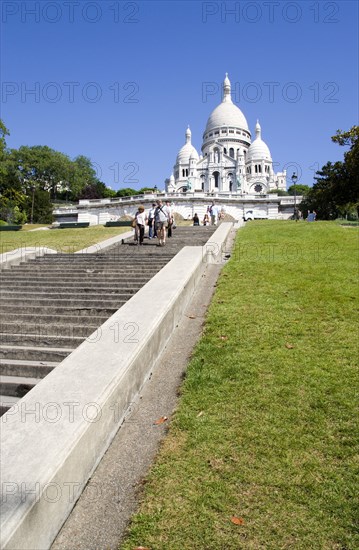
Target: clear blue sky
x,y
118,82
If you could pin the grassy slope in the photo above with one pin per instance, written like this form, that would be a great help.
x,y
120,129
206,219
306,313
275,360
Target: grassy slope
x,y
264,431
62,240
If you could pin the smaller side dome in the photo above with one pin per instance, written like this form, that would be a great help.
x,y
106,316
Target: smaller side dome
x,y
258,150
187,151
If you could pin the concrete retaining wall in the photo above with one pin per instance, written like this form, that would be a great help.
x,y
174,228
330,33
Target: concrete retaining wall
x,y
53,439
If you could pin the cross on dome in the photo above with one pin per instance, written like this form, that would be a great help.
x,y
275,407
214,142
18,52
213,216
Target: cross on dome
x,y
227,90
258,130
188,135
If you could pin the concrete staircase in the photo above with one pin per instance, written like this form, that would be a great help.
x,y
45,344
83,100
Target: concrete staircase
x,y
49,305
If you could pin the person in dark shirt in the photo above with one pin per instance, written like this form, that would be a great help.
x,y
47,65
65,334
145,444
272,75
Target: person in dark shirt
x,y
195,220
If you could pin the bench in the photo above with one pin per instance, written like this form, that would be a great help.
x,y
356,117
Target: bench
x,y
71,225
125,223
10,227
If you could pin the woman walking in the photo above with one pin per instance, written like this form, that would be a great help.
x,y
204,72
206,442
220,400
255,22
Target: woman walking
x,y
140,225
162,217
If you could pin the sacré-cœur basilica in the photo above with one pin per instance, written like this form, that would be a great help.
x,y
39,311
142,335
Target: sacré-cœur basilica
x,y
230,161
232,169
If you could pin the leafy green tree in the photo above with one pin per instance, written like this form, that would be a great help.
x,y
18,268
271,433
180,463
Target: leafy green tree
x,y
43,207
41,166
336,191
107,192
126,192
11,194
144,190
299,189
279,192
321,196
97,190
19,217
3,133
82,175
346,189
34,171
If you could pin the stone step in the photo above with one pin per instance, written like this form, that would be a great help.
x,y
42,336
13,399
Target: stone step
x,y
30,353
51,271
95,258
64,266
58,310
141,260
138,282
6,402
46,328
68,276
41,340
115,303
108,260
38,318
70,293
64,286
34,369
16,386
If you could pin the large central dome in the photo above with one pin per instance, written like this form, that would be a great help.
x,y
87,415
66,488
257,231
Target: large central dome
x,y
226,113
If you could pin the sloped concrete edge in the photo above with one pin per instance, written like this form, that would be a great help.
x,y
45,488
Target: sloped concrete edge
x,y
53,439
19,255
103,245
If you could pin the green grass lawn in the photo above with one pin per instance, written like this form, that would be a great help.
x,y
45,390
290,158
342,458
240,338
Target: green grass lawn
x,y
266,429
62,240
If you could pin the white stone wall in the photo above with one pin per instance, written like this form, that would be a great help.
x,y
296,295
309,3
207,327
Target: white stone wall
x,y
271,207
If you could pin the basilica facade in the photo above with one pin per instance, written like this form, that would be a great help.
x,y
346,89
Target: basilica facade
x,y
230,161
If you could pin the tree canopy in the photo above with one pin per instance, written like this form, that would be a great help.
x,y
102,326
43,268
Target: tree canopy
x,y
298,189
336,191
45,174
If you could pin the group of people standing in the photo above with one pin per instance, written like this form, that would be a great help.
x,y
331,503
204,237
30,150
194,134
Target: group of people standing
x,y
160,222
211,217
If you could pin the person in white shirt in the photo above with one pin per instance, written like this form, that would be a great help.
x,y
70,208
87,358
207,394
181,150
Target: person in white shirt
x,y
162,216
141,219
213,211
151,222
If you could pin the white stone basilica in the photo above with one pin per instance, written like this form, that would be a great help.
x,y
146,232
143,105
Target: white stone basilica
x,y
230,161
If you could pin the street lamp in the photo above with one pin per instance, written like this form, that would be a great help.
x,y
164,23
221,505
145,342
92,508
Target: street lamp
x,y
294,181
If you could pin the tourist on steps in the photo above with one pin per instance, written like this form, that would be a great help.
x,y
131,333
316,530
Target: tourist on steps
x,y
170,219
195,219
141,219
206,219
151,222
162,216
213,211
